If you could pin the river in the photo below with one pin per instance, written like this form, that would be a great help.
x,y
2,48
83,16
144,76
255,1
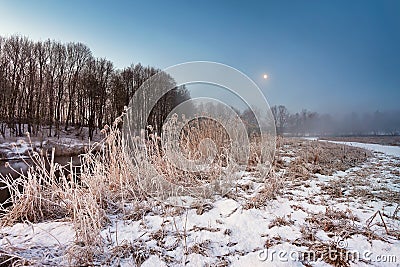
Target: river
x,y
20,166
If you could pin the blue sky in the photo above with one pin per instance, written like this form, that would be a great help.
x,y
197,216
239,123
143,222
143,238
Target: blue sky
x,y
327,56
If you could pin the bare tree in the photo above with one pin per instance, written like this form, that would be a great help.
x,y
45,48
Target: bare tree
x,y
283,116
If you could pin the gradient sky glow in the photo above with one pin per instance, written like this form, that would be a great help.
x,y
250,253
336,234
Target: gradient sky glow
x,y
326,56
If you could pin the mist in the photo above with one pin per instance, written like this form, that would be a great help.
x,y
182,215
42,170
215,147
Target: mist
x,y
309,123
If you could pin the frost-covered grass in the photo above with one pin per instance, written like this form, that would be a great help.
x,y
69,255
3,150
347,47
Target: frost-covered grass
x,y
317,194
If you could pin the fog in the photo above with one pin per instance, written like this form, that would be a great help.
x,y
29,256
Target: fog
x,y
302,122
316,124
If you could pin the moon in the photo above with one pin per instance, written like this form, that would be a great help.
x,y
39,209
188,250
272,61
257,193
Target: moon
x,y
265,76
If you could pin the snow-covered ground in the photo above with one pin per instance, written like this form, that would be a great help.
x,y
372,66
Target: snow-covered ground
x,y
324,215
14,150
66,144
388,150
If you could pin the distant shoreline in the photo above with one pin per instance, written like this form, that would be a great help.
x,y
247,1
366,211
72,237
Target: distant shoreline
x,y
386,140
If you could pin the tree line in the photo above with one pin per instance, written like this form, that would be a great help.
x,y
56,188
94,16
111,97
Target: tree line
x,y
49,87
315,124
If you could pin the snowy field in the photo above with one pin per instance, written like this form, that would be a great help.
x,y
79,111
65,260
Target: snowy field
x,y
347,218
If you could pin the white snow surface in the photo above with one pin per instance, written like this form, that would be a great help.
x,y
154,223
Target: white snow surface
x,y
20,147
388,150
228,233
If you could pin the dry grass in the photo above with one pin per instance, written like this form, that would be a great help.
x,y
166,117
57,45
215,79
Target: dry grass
x,y
332,254
280,221
198,158
117,179
38,194
334,188
318,157
270,190
49,191
137,251
9,259
334,221
200,248
308,233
